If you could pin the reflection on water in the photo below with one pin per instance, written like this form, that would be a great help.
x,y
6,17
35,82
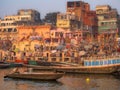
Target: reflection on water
x,y
91,82
68,82
31,85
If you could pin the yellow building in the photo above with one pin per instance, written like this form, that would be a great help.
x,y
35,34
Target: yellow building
x,y
9,24
67,21
108,20
29,36
100,9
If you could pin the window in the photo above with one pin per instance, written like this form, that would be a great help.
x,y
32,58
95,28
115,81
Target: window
x,y
100,11
9,29
3,24
102,23
4,30
15,30
11,19
70,4
63,17
25,12
77,4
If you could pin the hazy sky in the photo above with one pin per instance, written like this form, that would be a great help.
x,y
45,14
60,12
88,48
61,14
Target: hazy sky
x,y
10,7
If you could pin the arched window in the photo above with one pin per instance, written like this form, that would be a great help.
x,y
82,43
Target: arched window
x,y
15,30
4,30
9,29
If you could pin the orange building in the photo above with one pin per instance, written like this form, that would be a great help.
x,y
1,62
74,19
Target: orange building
x,y
78,8
87,18
91,21
28,31
29,36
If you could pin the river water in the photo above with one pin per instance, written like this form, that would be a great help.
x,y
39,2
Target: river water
x,y
67,82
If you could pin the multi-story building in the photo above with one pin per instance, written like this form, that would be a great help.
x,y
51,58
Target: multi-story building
x,y
7,27
107,19
67,21
24,17
51,18
91,23
31,15
87,18
78,8
27,37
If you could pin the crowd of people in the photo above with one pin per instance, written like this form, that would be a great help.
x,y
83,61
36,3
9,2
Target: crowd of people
x,y
84,49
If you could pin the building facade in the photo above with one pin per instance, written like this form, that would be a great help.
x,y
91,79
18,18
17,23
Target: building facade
x,y
108,19
87,18
34,16
24,17
67,21
91,23
78,8
51,18
30,36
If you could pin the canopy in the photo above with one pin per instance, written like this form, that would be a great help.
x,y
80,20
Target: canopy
x,y
16,50
101,53
65,50
60,47
82,53
35,37
53,51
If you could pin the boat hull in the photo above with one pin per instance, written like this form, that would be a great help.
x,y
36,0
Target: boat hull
x,y
106,69
2,66
92,70
16,64
36,76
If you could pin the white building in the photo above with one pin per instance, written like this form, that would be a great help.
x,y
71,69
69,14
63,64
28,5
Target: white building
x,y
24,17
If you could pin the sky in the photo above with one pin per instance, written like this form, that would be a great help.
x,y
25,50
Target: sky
x,y
10,7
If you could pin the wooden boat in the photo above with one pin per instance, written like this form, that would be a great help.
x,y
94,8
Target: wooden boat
x,y
108,69
2,66
117,73
1,62
43,63
45,76
13,64
93,66
89,70
105,66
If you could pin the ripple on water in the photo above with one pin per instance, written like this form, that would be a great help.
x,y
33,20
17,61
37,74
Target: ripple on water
x,y
68,82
